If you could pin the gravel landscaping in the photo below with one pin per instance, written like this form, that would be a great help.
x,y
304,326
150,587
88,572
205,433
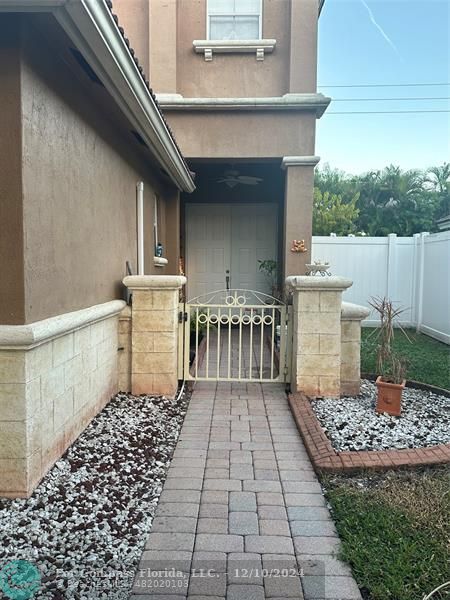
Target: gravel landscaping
x,y
352,424
86,524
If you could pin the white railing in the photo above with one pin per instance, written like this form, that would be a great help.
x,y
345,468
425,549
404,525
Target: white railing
x,y
414,272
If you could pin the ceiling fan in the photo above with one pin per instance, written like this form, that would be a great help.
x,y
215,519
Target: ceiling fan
x,y
232,178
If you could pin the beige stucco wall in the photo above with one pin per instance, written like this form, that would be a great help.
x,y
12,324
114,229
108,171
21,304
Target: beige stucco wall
x,y
243,134
79,191
233,135
134,17
303,46
164,39
11,236
197,78
172,232
298,218
162,32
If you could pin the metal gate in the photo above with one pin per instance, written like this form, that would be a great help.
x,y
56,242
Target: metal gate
x,y
234,335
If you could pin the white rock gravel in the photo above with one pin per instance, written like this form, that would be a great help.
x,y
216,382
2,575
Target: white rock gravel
x,y
351,423
86,524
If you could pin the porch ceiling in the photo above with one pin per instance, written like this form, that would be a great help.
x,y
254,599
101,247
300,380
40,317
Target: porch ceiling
x,y
230,181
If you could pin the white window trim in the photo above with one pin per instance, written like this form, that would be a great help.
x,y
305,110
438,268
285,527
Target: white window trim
x,y
232,15
210,47
260,47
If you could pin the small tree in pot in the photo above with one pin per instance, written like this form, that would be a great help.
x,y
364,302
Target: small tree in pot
x,y
391,368
270,270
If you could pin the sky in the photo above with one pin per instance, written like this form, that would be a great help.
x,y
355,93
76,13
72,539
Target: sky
x,y
384,42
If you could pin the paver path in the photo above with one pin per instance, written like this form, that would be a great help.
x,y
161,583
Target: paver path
x,y
240,355
241,515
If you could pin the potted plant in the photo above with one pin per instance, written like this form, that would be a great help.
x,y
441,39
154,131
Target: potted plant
x,y
390,385
270,270
391,368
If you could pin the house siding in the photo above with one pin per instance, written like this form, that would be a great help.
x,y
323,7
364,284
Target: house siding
x,y
79,199
12,300
247,135
162,32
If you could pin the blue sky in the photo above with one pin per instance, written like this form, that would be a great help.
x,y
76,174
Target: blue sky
x,y
353,50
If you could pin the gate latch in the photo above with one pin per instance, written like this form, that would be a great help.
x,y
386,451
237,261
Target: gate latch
x,y
182,317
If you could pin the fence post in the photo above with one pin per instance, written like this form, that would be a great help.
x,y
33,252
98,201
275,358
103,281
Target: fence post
x,y
392,266
415,280
423,235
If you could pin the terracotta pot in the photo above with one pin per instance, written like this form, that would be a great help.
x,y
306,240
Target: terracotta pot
x,y
389,398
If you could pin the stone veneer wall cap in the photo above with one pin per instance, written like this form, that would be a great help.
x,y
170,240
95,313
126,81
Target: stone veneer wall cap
x,y
154,282
17,337
354,312
313,282
299,161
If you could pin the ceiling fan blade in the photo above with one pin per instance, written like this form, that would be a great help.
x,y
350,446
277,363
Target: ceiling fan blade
x,y
228,179
248,180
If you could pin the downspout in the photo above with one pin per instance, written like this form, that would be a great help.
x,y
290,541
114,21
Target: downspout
x,y
140,226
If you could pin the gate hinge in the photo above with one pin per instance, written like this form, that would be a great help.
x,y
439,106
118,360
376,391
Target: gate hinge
x,y
182,317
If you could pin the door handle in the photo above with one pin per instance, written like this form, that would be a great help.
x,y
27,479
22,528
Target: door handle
x,y
227,279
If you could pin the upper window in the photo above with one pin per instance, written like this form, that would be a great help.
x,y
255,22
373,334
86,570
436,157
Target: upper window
x,y
234,19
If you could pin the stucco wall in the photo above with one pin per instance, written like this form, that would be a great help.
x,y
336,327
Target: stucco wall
x,y
303,46
11,238
218,78
243,134
163,36
298,206
79,182
134,17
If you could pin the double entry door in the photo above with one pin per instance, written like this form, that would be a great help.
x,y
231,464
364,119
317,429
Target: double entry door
x,y
224,244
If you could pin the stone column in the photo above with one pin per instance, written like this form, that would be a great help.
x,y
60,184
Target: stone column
x,y
351,317
316,348
298,206
154,333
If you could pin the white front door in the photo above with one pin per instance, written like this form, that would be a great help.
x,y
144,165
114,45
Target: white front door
x,y
224,240
208,248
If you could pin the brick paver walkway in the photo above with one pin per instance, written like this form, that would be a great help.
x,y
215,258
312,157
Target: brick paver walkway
x,y
242,515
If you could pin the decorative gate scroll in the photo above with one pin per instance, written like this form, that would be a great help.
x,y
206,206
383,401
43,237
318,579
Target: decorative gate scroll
x,y
234,335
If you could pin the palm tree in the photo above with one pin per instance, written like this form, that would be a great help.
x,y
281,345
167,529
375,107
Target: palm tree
x,y
395,202
439,178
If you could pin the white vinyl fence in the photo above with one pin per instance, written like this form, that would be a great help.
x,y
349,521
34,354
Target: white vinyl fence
x,y
414,272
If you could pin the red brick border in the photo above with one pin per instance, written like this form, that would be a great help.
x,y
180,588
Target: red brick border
x,y
325,458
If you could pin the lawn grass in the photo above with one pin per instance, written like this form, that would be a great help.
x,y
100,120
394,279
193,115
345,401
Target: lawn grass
x,y
428,360
395,530
395,526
